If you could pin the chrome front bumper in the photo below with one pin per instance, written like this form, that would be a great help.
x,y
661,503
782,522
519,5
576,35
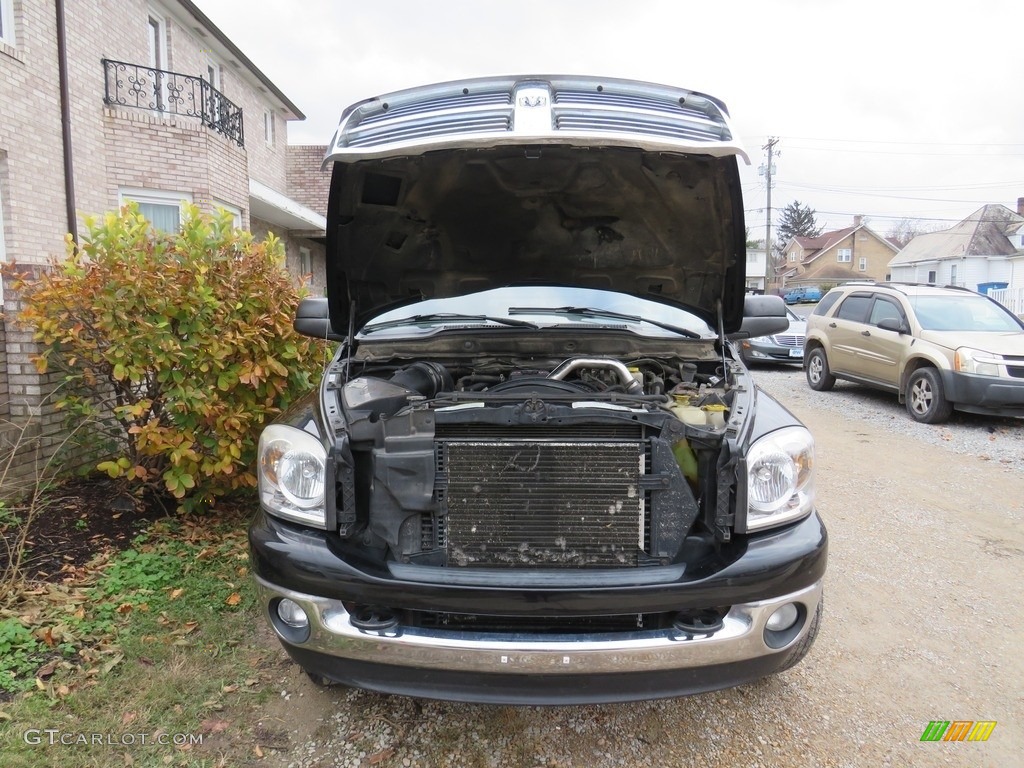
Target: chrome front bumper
x,y
740,639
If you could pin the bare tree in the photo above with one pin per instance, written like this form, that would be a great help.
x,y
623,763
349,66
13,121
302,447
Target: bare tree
x,y
905,230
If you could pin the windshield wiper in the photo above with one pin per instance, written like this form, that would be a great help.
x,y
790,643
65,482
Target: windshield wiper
x,y
611,315
445,317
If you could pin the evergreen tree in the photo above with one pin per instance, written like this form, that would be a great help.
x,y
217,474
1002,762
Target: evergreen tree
x,y
796,221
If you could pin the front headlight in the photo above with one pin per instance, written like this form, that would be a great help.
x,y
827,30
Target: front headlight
x,y
291,468
780,478
975,361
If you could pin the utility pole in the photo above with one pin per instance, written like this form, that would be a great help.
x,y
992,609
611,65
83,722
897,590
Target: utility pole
x,y
767,170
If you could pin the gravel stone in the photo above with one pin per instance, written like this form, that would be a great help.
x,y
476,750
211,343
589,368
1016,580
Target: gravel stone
x,y
922,623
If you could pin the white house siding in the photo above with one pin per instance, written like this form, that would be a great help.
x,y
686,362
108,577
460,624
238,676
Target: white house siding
x,y
970,272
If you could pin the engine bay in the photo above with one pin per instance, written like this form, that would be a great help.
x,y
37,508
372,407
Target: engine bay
x,y
587,461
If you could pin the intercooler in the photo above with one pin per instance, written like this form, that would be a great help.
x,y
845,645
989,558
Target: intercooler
x,y
543,498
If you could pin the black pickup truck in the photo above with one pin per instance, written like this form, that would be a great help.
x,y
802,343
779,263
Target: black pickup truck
x,y
536,470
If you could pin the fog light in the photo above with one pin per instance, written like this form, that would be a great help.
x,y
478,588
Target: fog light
x,y
783,618
291,613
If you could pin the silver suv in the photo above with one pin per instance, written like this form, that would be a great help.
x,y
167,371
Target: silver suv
x,y
938,348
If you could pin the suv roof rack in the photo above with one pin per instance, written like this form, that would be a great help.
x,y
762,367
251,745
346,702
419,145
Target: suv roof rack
x,y
897,284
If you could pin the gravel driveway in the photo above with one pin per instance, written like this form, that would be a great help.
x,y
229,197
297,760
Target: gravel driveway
x,y
922,623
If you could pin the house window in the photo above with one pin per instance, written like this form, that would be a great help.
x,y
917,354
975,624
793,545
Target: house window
x,y
213,102
862,264
162,209
235,211
157,31
305,261
952,274
268,127
7,21
844,255
792,257
931,275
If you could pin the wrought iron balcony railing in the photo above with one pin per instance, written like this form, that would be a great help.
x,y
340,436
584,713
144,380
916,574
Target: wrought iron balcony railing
x,y
141,87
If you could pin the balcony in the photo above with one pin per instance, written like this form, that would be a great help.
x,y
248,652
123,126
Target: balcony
x,y
156,90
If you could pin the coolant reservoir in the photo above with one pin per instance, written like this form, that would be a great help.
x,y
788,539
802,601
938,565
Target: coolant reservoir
x,y
715,415
637,375
688,414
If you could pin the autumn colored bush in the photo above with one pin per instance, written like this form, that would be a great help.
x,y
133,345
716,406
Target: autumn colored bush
x,y
181,344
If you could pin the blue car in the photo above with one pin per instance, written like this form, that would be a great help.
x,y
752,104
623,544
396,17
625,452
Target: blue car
x,y
801,295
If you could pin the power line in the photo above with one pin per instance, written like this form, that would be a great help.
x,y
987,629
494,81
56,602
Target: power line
x,y
833,191
902,143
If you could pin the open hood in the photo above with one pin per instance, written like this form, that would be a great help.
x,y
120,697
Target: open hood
x,y
461,187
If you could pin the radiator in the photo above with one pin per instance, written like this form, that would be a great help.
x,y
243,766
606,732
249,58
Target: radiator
x,y
543,503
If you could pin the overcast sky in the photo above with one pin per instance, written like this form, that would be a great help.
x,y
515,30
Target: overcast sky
x,y
887,109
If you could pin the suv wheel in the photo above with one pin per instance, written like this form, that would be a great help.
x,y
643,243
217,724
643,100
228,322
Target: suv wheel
x,y
819,377
926,401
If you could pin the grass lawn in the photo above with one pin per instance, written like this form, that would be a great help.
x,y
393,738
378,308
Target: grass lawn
x,y
146,653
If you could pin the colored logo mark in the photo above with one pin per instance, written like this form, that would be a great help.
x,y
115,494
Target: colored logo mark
x,y
958,730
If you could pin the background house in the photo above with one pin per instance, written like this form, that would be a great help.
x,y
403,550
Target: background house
x,y
757,267
853,253
984,252
101,103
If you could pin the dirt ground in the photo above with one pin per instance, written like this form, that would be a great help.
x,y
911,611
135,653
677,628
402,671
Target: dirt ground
x,y
922,623
80,518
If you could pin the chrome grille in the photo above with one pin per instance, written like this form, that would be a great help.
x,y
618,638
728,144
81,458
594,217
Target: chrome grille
x,y
543,504
603,112
789,340
427,127
492,111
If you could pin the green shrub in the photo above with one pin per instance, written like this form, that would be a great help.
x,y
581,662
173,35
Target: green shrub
x,y
181,343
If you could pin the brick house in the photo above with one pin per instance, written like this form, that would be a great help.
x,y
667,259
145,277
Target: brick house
x,y
146,100
852,253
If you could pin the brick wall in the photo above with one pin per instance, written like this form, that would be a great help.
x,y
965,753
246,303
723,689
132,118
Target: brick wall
x,y
5,410
174,155
32,431
307,184
317,282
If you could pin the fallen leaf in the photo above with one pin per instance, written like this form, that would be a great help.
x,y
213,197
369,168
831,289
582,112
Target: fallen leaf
x,y
258,751
63,690
112,663
213,725
176,593
229,689
234,599
124,608
47,669
4,715
48,637
128,717
379,757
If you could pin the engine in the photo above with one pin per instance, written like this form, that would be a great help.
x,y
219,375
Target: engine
x,y
582,463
